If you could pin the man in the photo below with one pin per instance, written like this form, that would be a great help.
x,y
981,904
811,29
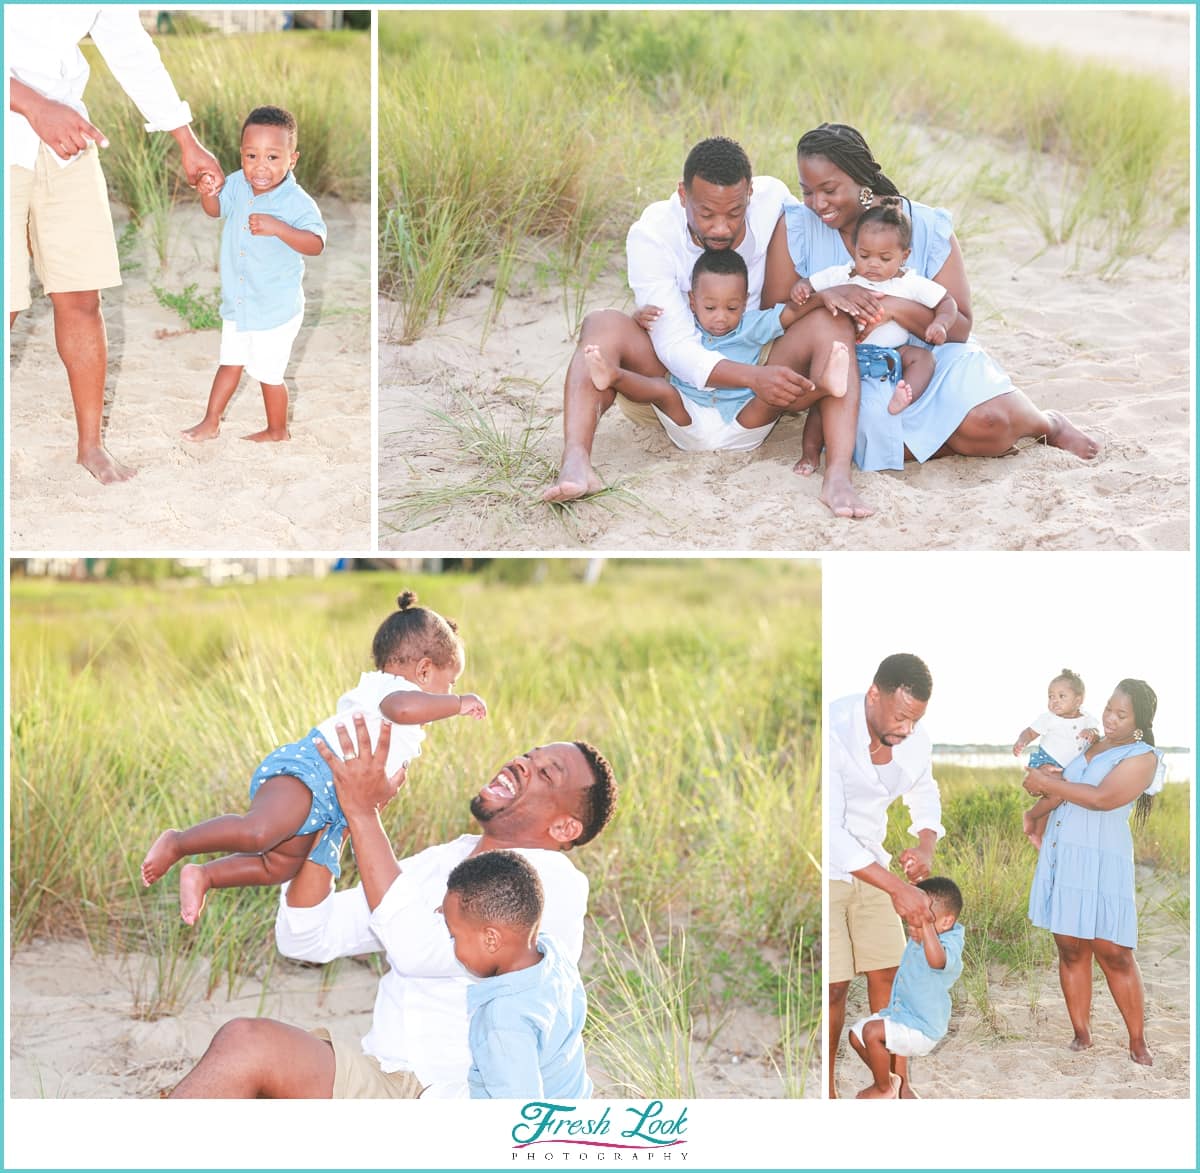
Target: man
x,y
876,755
541,804
718,205
59,206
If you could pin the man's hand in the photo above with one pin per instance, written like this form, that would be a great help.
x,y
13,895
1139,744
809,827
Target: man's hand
x,y
65,131
263,225
196,160
470,705
780,386
917,863
913,905
360,778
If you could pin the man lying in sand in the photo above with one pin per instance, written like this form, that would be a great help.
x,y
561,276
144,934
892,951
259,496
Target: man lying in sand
x,y
917,1015
59,198
718,205
541,804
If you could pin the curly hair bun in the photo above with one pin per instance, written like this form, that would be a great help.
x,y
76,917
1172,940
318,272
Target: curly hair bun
x,y
406,599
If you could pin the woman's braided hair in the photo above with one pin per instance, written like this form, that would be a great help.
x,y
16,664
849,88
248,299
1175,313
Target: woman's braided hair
x,y
1145,705
846,149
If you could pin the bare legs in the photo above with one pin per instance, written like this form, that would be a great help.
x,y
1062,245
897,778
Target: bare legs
x,y
82,344
252,1058
992,428
835,1019
225,383
1120,969
879,993
872,1050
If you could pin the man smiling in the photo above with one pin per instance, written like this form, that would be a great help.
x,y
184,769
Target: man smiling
x,y
541,804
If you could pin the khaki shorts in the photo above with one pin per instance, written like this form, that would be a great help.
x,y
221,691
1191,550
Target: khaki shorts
x,y
359,1077
865,933
61,216
644,414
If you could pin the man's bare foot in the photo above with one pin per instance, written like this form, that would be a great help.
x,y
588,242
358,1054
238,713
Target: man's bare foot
x,y
871,1092
1065,435
837,370
203,431
193,888
102,466
1140,1053
161,857
1080,1043
602,372
268,435
900,399
839,495
576,478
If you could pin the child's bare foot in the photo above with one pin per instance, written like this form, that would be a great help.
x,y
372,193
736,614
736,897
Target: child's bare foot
x,y
102,466
603,373
193,888
162,856
268,435
901,398
204,430
1140,1053
1081,1042
871,1092
837,371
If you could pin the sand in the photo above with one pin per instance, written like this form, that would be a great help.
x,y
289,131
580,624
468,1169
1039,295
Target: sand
x,y
311,493
1110,351
60,991
1014,1046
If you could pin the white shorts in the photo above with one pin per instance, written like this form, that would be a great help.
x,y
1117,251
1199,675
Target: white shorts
x,y
264,353
708,432
899,1039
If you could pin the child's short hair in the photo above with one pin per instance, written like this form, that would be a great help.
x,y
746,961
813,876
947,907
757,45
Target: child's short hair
x,y
944,893
890,212
721,262
412,632
1072,679
272,116
498,887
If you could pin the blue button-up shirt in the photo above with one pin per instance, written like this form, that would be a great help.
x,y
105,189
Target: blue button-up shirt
x,y
260,275
921,994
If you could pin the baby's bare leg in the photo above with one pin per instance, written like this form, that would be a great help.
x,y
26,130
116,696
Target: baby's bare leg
x,y
277,812
241,871
918,369
225,383
607,376
275,397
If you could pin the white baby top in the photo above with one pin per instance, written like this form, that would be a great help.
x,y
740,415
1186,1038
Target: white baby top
x,y
364,698
907,284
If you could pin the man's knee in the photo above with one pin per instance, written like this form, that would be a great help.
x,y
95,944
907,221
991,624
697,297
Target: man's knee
x,y
837,994
241,1036
600,325
79,303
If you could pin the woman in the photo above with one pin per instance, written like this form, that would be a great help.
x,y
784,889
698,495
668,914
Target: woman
x,y
1083,887
970,407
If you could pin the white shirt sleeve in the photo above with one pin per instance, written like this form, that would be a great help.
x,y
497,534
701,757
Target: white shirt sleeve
x,y
413,933
846,853
828,278
337,927
924,803
922,289
135,62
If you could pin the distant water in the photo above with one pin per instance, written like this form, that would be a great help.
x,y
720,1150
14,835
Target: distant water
x,y
1178,761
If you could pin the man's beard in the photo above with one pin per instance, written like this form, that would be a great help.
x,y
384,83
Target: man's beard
x,y
479,812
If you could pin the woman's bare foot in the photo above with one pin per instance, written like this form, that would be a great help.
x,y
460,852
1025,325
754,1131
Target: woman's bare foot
x,y
162,856
871,1092
603,373
900,399
1080,1043
837,370
268,435
203,431
1140,1053
102,466
576,477
1065,435
193,888
839,495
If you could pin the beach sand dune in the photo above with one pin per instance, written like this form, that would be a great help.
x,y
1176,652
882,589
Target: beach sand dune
x,y
313,492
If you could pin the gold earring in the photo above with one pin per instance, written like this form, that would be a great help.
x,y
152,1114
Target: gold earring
x,y
865,197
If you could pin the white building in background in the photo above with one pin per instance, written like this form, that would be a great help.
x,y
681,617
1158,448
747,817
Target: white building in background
x,y
243,20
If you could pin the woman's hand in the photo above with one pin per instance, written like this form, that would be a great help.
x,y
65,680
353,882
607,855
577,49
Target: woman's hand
x,y
1036,780
861,304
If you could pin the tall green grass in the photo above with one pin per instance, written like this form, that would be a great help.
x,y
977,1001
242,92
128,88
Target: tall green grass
x,y
501,131
138,707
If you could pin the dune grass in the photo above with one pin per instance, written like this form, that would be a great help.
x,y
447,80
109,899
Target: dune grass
x,y
142,706
323,78
502,130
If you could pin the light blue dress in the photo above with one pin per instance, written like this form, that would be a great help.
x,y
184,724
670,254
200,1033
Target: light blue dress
x,y
1083,886
963,377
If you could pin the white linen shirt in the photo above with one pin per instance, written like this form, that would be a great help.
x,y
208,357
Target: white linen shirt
x,y
420,1018
42,46
661,255
858,799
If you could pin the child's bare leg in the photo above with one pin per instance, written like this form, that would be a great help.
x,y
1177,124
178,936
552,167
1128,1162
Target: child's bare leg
x,y
277,812
918,364
757,414
275,397
225,383
606,376
240,871
872,1050
1034,828
812,441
